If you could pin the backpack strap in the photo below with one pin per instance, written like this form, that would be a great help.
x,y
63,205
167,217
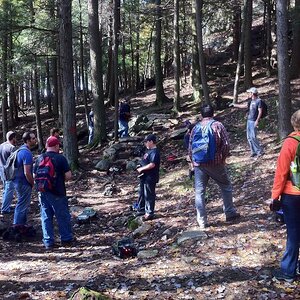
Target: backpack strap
x,y
297,138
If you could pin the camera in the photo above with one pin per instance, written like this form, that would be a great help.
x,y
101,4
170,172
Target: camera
x,y
275,205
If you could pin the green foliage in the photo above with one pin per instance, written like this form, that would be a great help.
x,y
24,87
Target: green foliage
x,y
132,223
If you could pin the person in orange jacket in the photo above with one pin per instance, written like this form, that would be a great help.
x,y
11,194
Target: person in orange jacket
x,y
289,197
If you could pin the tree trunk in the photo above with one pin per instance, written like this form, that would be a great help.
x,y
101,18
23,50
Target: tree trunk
x,y
236,30
196,78
248,45
137,51
240,56
68,97
199,6
284,105
268,36
96,72
82,69
160,93
4,85
176,106
48,87
55,86
295,57
116,32
36,100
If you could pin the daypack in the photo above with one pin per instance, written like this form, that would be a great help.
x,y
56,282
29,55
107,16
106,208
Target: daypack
x,y
264,107
10,168
204,143
295,165
45,175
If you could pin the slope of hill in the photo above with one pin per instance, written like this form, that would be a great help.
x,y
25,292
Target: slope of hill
x,y
226,261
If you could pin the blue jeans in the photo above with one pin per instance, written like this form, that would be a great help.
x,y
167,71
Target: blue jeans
x,y
252,139
53,205
91,134
123,128
147,197
24,196
291,213
7,195
219,174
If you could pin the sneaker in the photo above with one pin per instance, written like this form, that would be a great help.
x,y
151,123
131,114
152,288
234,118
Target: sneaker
x,y
147,217
281,276
253,155
139,213
203,225
233,217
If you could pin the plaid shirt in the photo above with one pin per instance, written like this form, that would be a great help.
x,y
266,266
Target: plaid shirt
x,y
222,143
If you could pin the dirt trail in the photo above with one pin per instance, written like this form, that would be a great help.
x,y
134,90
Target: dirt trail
x,y
228,262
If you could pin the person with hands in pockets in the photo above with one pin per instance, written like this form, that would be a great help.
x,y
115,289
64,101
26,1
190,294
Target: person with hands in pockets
x,y
289,197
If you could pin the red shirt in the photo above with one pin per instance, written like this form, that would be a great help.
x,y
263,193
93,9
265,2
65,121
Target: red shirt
x,y
222,143
282,184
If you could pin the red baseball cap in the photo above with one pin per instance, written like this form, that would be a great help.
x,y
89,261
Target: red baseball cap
x,y
52,141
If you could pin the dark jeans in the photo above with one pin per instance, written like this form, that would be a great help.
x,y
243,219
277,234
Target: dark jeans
x,y
147,197
291,212
52,205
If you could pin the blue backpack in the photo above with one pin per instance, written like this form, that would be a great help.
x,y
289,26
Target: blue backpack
x,y
204,143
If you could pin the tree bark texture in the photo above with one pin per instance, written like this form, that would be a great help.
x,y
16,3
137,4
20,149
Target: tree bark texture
x,y
295,57
248,45
67,79
199,6
284,105
160,93
176,106
96,72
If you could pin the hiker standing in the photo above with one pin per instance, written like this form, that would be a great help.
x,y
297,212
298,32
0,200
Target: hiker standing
x,y
255,111
23,181
289,196
124,117
209,147
149,177
6,149
53,201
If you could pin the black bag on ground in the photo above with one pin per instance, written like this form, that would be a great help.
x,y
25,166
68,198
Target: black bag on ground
x,y
124,248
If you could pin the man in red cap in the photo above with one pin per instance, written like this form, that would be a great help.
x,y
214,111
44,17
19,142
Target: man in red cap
x,y
53,200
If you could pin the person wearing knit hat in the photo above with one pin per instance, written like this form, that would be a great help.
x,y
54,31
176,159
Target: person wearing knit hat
x,y
6,149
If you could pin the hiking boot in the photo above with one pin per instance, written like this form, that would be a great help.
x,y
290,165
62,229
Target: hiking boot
x,y
281,276
233,217
49,248
253,155
70,243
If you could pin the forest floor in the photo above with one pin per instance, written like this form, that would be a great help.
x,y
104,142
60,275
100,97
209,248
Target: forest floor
x,y
226,261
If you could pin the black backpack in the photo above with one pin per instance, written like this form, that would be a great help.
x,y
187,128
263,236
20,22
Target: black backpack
x,y
264,107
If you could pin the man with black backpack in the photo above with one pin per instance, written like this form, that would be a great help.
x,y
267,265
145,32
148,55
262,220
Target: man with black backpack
x,y
51,170
256,110
208,149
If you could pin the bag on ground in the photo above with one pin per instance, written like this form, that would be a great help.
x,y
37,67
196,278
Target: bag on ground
x,y
10,168
204,143
45,175
295,165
